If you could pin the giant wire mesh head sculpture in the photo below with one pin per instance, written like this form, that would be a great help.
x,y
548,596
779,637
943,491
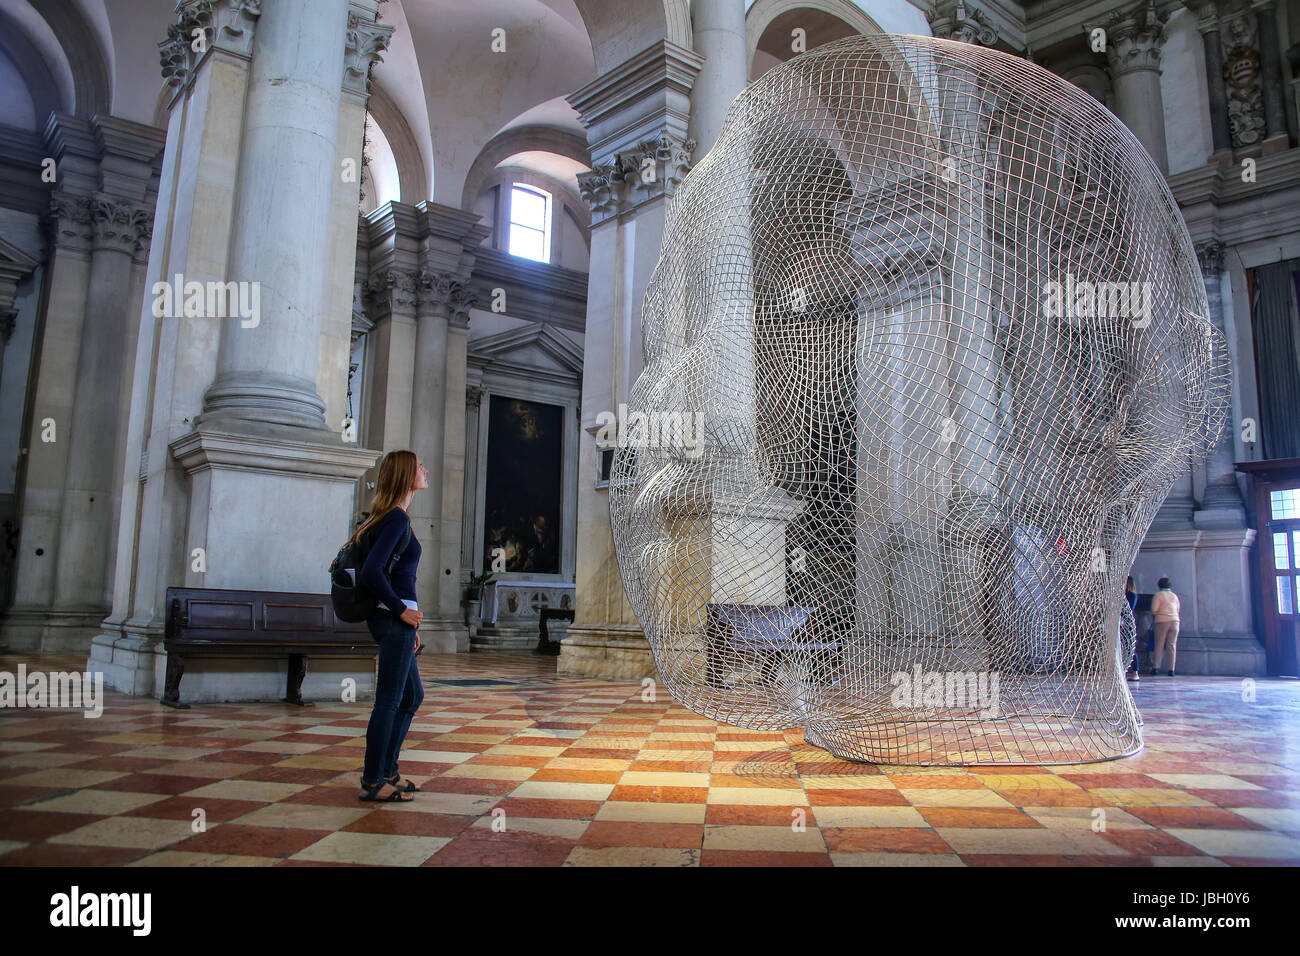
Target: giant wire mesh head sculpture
x,y
946,335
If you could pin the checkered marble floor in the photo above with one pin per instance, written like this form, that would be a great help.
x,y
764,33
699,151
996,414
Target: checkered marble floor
x,y
551,771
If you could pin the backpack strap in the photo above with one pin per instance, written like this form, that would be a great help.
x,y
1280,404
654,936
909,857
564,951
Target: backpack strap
x,y
401,546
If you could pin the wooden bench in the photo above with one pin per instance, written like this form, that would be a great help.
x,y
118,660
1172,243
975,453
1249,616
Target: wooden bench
x,y
763,630
217,622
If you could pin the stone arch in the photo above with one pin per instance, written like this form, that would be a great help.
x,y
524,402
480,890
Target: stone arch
x,y
520,139
764,12
27,58
412,176
91,80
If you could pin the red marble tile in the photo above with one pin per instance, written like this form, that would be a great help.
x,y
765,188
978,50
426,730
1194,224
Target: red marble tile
x,y
977,817
312,775
671,766
609,833
756,815
153,783
637,794
1150,843
182,808
935,781
555,809
410,824
32,826
121,764
766,858
243,840
1052,798
17,796
63,854
1270,799
1201,818
883,840
1053,860
595,753
1097,781
874,797
479,847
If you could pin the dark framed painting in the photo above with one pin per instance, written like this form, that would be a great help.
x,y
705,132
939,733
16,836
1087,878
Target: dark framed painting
x,y
525,466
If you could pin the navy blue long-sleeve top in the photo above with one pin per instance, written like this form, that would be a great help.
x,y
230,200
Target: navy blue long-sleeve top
x,y
390,589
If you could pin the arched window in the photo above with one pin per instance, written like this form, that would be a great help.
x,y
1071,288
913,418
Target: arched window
x,y
530,223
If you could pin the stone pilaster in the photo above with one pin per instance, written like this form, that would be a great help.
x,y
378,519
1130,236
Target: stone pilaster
x,y
1273,85
1222,505
718,33
637,118
98,225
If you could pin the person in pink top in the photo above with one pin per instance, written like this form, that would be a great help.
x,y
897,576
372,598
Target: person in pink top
x,y
1164,608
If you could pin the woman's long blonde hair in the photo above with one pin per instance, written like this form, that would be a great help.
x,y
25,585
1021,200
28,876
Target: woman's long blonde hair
x,y
396,478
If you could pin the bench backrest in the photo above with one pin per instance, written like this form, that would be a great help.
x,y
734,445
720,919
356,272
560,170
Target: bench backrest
x,y
222,616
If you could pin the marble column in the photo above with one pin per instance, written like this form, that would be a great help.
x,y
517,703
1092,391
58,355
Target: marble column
x,y
635,112
718,31
1134,40
1221,506
1270,66
1208,25
266,371
233,477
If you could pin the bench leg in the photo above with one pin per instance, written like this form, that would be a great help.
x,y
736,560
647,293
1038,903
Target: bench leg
x,y
293,688
172,691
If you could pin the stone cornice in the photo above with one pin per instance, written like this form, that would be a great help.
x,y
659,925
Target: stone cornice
x,y
277,449
632,102
537,291
1216,204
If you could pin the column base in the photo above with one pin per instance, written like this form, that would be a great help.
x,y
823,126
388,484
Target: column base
x,y
445,636
608,652
51,630
1219,519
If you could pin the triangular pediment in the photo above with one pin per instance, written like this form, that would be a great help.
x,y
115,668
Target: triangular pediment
x,y
538,346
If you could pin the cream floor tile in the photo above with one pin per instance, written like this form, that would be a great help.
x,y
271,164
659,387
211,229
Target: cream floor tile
x,y
568,829
896,859
107,802
7,845
63,778
472,738
281,747
137,738
202,770
1021,840
424,728
332,730
748,745
319,762
1185,861
1281,818
258,790
373,848
632,856
588,763
628,812
565,735
641,778
878,781
490,772
1026,781
11,726
1257,843
185,858
552,790
526,750
828,817
1079,819
650,753
954,798
303,816
24,746
1205,781
435,756
127,831
758,796
1149,797
770,839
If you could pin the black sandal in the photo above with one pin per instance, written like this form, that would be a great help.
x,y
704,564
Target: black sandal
x,y
369,793
396,781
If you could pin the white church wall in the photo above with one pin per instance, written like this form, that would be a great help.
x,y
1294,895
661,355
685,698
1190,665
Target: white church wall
x,y
1185,95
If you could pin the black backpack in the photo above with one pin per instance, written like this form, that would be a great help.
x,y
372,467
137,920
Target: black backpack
x,y
352,603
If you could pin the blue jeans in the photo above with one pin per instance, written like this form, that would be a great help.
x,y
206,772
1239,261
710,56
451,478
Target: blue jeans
x,y
398,694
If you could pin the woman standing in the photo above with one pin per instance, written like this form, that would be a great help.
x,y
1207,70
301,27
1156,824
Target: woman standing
x,y
1164,607
398,691
1131,595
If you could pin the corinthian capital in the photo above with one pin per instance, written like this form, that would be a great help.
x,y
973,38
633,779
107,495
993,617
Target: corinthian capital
x,y
122,226
1134,38
364,47
203,24
397,289
651,168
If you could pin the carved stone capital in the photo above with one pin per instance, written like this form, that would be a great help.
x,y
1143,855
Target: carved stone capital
x,y
652,168
202,25
398,289
120,226
1210,255
957,20
364,47
473,396
1134,38
71,224
8,319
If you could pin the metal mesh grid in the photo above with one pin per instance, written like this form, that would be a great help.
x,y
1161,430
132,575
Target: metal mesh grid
x,y
926,464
